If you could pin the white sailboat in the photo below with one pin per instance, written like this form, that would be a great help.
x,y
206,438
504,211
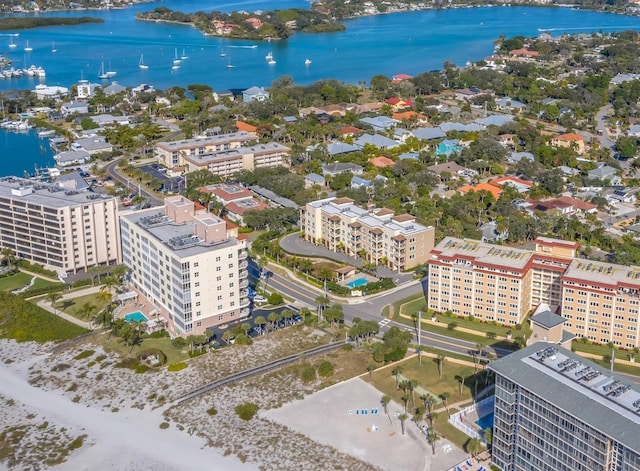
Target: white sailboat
x,y
269,56
184,55
176,61
307,62
102,74
53,47
141,63
110,73
271,62
12,45
229,64
27,47
222,53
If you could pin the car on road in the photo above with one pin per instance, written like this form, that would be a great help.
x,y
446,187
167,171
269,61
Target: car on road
x,y
259,299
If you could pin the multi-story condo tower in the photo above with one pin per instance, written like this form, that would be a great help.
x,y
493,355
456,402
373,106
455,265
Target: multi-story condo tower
x,y
556,411
188,263
64,230
378,235
496,283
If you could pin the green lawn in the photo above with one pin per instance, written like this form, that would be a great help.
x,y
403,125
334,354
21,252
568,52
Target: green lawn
x,y
115,344
428,378
74,306
17,281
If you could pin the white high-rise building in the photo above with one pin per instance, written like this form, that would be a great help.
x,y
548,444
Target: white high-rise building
x,y
188,263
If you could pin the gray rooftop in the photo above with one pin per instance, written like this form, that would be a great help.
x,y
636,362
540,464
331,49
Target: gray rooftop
x,y
238,152
484,253
578,387
602,272
547,319
270,195
165,230
239,136
45,194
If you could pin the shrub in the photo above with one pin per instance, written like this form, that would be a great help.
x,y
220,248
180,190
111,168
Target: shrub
x,y
81,283
35,268
212,411
452,325
159,334
246,411
308,374
275,298
325,369
242,339
491,335
164,425
179,342
177,366
84,354
153,352
141,369
77,443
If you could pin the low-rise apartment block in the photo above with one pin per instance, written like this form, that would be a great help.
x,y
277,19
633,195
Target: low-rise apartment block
x,y
172,154
378,235
64,230
600,301
188,263
556,411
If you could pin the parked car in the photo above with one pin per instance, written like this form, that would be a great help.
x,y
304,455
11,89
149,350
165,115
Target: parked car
x,y
259,299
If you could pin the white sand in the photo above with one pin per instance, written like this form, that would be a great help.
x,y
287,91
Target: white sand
x,y
128,440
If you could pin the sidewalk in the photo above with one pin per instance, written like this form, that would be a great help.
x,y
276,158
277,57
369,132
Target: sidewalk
x,y
38,275
46,305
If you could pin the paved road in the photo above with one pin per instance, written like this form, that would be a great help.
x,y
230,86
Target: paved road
x,y
110,168
603,136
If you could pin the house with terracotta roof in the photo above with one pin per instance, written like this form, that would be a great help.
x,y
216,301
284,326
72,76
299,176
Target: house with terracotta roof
x,y
569,140
349,131
242,126
381,161
412,116
400,77
399,103
496,191
565,205
523,53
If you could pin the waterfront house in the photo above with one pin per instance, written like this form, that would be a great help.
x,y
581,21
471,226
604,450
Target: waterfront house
x,y
254,94
400,78
92,145
74,107
72,157
114,89
85,90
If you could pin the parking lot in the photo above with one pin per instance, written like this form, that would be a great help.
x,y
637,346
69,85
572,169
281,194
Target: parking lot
x,y
256,330
160,173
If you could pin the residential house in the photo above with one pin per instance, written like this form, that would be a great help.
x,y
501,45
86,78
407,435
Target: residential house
x,y
401,134
104,119
490,232
85,90
114,89
399,103
411,116
605,173
509,105
467,94
634,130
428,134
43,91
380,123
332,170
400,78
254,94
516,157
523,186
72,157
524,53
494,120
237,209
495,190
74,107
381,162
569,140
448,147
359,182
273,199
377,140
409,155
452,168
312,179
92,145
349,131
461,127
242,126
338,148
565,205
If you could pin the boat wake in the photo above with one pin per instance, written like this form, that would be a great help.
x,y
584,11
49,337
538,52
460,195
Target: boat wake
x,y
245,47
583,28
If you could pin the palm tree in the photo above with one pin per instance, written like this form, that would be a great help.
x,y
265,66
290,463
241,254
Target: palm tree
x,y
321,301
396,372
440,360
445,396
287,315
473,446
273,317
53,298
402,418
460,379
385,404
306,266
86,310
260,321
433,438
246,327
110,282
371,368
8,257
433,416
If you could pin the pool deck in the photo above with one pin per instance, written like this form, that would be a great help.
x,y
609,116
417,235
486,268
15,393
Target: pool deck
x,y
358,276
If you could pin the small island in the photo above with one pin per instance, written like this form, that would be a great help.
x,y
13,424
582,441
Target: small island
x,y
13,23
278,24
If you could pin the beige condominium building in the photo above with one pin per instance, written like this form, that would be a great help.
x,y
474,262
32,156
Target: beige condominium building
x,y
496,283
66,231
188,263
599,300
172,154
378,235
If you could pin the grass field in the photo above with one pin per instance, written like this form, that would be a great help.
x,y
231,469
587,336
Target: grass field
x,y
116,345
74,306
428,378
20,280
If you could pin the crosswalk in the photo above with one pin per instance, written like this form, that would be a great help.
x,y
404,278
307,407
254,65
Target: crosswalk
x,y
384,322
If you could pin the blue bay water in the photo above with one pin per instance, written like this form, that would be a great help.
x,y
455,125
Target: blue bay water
x,y
24,152
409,43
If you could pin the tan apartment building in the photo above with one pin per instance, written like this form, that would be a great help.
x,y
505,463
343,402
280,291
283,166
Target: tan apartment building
x,y
188,263
229,162
378,235
172,154
599,300
496,283
64,230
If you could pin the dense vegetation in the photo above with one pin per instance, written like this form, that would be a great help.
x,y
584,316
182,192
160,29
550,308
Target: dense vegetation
x,y
13,24
278,24
23,321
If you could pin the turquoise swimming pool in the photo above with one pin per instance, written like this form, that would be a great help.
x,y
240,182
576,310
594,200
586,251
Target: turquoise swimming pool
x,y
135,317
357,282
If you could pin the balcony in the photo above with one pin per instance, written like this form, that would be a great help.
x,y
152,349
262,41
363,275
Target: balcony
x,y
245,312
242,255
244,283
243,265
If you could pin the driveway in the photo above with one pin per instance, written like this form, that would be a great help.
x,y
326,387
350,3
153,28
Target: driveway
x,y
294,244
